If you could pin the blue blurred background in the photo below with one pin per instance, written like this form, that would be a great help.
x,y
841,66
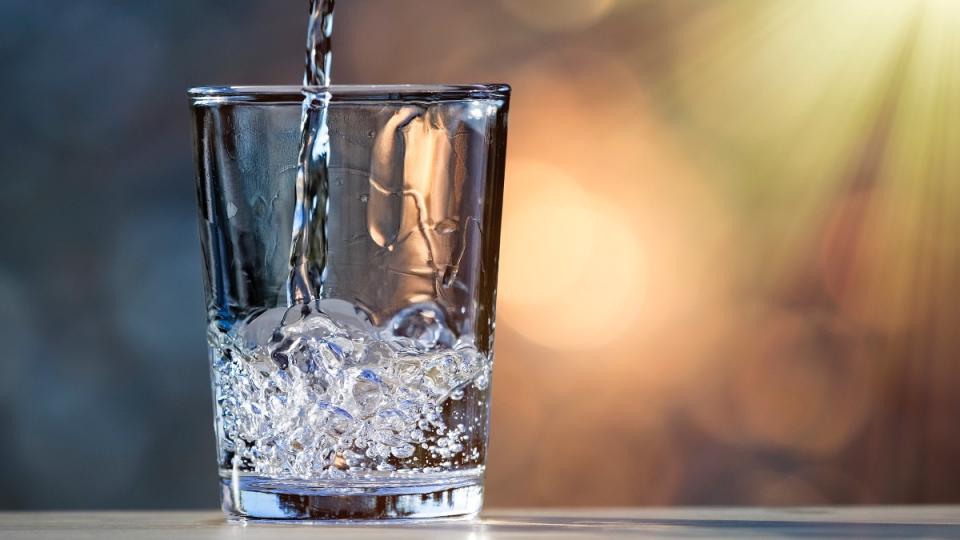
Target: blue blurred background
x,y
730,260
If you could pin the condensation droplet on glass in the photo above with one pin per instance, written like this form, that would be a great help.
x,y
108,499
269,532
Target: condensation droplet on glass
x,y
446,226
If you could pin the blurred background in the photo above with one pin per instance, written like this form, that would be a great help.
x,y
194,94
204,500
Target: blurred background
x,y
730,261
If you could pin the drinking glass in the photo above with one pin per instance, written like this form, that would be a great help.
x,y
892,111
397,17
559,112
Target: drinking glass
x,y
371,400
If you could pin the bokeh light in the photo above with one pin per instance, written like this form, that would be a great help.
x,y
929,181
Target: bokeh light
x,y
572,269
552,15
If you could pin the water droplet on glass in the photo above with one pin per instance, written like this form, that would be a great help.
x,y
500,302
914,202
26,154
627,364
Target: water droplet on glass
x,y
446,226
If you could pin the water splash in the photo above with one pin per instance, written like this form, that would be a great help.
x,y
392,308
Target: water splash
x,y
315,394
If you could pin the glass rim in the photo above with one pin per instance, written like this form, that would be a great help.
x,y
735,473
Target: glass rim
x,y
207,95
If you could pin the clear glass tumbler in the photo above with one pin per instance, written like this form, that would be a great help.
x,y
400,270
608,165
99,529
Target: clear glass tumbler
x,y
371,401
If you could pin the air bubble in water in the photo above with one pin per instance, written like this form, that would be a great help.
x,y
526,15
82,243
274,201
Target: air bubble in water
x,y
403,451
423,325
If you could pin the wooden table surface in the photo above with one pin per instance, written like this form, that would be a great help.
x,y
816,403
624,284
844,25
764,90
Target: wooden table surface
x,y
572,524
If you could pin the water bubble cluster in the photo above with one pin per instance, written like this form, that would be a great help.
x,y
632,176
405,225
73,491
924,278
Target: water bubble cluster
x,y
307,392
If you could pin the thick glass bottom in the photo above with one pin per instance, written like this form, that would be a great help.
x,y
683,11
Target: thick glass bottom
x,y
435,495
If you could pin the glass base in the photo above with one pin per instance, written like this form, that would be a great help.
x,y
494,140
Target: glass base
x,y
439,495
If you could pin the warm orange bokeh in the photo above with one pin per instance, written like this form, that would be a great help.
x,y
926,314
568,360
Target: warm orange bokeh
x,y
729,261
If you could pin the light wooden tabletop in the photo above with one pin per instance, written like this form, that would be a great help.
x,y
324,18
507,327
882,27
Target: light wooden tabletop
x,y
573,524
